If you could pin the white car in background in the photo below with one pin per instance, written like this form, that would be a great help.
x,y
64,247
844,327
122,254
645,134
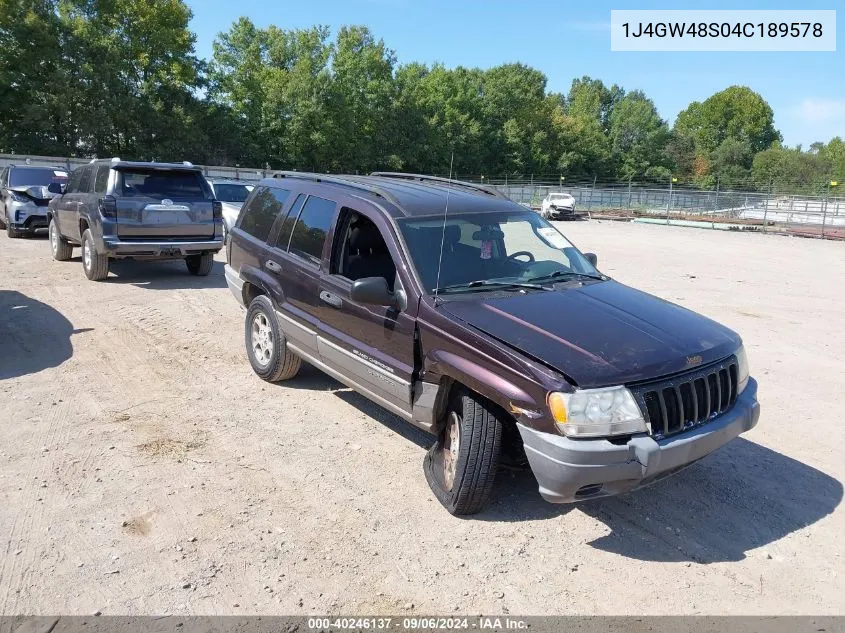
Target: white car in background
x,y
232,194
558,206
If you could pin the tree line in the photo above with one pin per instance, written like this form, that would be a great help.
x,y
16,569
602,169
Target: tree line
x,y
121,78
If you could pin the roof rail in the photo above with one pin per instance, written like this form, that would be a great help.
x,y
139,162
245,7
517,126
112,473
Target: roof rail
x,y
339,180
490,191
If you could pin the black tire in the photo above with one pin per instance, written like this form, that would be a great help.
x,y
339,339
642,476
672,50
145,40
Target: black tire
x,y
200,265
61,249
269,356
479,432
11,231
94,264
3,219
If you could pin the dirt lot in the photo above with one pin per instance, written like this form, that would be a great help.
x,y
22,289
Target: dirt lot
x,y
145,469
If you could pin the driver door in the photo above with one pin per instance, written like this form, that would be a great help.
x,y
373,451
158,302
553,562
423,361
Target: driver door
x,y
373,346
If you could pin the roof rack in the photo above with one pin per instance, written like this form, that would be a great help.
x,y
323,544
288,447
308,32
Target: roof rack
x,y
339,180
490,191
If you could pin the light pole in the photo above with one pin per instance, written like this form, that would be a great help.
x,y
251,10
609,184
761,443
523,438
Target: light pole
x,y
833,185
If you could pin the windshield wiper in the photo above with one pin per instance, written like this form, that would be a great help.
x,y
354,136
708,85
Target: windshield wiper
x,y
489,283
566,273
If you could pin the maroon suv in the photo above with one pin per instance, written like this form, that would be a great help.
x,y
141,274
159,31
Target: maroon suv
x,y
473,318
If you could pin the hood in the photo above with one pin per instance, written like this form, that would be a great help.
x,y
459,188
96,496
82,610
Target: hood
x,y
37,192
600,334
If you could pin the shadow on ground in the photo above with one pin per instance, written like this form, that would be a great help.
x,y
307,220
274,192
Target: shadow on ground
x,y
33,335
743,497
311,378
162,275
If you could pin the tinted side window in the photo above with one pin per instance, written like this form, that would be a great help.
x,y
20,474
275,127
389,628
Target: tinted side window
x,y
85,182
74,180
283,241
309,233
258,216
102,179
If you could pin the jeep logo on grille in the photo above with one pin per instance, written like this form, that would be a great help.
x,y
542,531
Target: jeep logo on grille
x,y
693,360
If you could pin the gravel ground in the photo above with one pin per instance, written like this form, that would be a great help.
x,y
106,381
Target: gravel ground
x,y
145,469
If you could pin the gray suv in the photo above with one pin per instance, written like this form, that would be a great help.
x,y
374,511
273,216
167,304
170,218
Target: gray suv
x,y
120,209
25,192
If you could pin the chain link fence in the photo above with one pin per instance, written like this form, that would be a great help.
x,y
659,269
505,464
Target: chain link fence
x,y
794,214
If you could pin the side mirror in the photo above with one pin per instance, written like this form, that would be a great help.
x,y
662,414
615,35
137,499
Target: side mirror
x,y
374,291
592,258
56,187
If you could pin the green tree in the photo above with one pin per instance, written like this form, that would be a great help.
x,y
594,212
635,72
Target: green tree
x,y
638,136
362,69
34,86
591,98
736,113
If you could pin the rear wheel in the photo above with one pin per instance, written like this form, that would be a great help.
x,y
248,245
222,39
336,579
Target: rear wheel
x,y
265,344
200,264
62,251
461,466
95,265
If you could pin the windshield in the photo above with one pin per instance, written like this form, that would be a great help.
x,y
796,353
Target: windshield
x,y
35,176
559,196
176,184
507,246
231,192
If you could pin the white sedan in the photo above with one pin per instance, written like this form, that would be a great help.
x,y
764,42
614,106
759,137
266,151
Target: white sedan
x,y
557,206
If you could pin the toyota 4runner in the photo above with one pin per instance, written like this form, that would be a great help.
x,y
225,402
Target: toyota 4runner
x,y
476,320
120,209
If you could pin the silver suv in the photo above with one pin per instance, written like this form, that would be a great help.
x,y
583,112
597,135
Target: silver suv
x,y
25,192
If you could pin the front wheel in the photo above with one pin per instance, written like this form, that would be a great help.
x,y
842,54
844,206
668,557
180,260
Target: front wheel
x,y
200,264
62,251
94,264
461,466
265,344
11,231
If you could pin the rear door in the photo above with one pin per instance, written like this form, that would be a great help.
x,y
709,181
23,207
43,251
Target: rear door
x,y
67,208
294,258
160,203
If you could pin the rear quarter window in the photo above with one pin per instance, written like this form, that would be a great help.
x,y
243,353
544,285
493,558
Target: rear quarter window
x,y
309,233
102,181
260,212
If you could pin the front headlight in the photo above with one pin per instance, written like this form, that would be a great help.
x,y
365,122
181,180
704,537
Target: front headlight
x,y
742,373
596,412
18,197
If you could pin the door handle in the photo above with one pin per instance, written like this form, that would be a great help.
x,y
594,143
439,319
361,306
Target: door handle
x,y
332,300
271,265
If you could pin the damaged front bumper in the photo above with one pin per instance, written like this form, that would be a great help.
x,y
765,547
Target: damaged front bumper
x,y
27,216
570,470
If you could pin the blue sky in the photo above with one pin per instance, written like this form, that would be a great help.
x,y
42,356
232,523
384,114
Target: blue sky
x,y
567,39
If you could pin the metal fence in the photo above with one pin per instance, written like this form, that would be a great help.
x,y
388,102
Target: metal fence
x,y
798,214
